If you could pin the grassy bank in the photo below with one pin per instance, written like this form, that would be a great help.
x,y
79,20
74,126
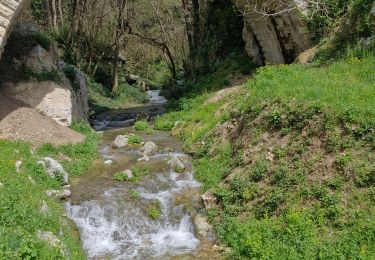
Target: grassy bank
x,y
290,159
22,196
101,98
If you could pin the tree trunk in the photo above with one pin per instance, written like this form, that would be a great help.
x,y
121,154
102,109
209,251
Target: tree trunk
x,y
47,3
54,14
116,67
61,12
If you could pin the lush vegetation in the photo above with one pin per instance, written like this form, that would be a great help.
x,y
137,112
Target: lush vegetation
x,y
141,125
101,98
290,159
341,27
22,195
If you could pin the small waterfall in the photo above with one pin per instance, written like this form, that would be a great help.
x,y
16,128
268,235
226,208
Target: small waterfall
x,y
113,225
155,98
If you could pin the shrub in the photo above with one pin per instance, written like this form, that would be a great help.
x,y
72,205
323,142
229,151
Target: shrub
x,y
135,139
134,194
365,176
141,125
43,40
153,213
258,170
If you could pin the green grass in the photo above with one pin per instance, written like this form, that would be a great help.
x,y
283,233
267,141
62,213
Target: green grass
x,y
81,155
295,205
141,125
347,88
20,199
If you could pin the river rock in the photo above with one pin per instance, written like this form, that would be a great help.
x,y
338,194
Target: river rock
x,y
49,238
31,180
129,174
18,166
44,208
59,194
149,148
54,169
145,158
209,200
176,165
120,141
108,162
201,225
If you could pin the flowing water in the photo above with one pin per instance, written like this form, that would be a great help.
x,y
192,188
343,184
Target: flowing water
x,y
112,217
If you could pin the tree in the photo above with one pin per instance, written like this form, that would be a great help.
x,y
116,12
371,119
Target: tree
x,y
261,9
121,9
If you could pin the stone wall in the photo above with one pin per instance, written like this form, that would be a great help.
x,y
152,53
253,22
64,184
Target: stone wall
x,y
9,11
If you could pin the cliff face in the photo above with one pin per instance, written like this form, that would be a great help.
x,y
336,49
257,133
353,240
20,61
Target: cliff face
x,y
214,31
217,27
274,39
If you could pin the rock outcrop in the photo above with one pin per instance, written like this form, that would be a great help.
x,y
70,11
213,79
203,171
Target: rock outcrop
x,y
48,87
273,39
214,31
218,27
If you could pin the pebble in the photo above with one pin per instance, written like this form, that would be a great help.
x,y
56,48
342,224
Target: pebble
x,y
108,162
31,180
18,166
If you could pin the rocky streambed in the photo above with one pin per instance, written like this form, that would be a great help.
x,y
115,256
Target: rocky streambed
x,y
140,201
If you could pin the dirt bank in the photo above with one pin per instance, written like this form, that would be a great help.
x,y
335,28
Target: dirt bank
x,y
19,122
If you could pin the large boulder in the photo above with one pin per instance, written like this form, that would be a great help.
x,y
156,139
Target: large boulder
x,y
40,60
48,87
149,148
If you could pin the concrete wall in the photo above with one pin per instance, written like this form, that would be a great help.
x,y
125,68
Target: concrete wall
x,y
9,11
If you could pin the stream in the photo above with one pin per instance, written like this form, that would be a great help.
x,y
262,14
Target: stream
x,y
113,217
